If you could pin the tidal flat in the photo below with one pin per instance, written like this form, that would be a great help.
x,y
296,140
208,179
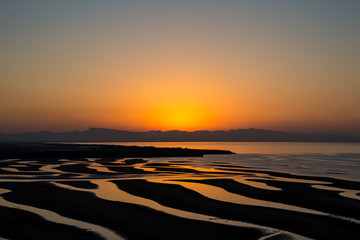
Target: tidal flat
x,y
54,193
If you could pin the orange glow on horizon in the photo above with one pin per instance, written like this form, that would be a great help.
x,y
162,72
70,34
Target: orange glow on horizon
x,y
180,117
180,66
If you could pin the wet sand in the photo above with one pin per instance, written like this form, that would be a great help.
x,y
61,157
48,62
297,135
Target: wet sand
x,y
141,198
130,220
18,224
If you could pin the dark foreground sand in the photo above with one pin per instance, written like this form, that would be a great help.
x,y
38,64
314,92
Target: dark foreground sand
x,y
131,221
33,185
18,224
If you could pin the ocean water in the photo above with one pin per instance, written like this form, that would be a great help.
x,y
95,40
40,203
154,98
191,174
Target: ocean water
x,y
339,160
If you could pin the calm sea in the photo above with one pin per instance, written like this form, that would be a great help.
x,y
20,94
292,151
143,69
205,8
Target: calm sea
x,y
340,160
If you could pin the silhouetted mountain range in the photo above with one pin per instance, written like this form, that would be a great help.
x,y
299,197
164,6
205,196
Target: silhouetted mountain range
x,y
239,135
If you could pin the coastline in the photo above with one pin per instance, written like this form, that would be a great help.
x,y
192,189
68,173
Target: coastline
x,y
144,192
51,150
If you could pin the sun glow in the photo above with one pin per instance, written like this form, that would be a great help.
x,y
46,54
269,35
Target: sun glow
x,y
180,118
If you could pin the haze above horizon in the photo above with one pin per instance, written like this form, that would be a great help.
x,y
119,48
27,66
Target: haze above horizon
x,y
186,65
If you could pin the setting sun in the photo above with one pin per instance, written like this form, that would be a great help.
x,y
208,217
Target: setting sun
x,y
192,119
180,117
180,65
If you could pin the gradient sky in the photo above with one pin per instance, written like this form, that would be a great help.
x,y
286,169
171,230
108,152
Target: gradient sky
x,y
186,65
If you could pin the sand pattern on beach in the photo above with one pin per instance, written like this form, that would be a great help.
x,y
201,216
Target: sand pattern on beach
x,y
236,197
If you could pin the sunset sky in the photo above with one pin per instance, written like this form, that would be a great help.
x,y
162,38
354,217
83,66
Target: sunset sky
x,y
185,65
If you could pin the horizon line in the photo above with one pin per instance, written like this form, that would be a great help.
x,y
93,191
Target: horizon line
x,y
176,130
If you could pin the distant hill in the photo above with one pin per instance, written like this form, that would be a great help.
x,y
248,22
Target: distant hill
x,y
112,135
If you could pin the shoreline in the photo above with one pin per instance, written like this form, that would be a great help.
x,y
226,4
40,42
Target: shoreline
x,y
72,186
47,150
